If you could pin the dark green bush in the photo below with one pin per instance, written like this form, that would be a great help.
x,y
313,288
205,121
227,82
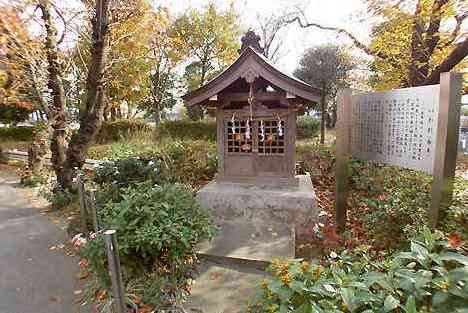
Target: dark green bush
x,y
13,114
431,277
116,130
158,226
157,229
18,133
187,129
307,126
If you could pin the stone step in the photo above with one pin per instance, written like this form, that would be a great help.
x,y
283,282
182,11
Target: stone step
x,y
218,289
251,240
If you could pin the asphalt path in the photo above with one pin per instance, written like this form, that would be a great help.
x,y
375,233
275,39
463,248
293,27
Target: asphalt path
x,y
33,277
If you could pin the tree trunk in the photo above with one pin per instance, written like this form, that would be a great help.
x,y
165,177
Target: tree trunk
x,y
113,114
196,112
157,114
58,144
333,116
328,121
416,48
91,117
323,109
38,150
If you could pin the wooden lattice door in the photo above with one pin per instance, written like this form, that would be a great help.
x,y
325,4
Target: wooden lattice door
x,y
256,147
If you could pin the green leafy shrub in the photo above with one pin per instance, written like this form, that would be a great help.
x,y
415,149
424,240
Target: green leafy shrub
x,y
125,171
60,198
431,277
187,129
113,151
158,229
18,133
116,130
307,126
455,220
185,162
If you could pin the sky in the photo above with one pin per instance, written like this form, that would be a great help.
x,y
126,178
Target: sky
x,y
346,14
338,13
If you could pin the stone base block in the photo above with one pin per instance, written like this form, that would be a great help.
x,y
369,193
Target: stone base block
x,y
257,222
282,204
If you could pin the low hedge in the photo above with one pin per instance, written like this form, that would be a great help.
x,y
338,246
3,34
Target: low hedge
x,y
118,129
187,129
307,127
17,133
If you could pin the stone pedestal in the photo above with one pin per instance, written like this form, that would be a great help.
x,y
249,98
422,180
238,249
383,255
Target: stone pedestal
x,y
257,222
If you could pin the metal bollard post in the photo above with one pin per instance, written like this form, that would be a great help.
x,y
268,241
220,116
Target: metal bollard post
x,y
93,209
82,199
114,269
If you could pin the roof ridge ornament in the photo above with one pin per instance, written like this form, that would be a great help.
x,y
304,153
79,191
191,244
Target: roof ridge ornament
x,y
252,40
250,75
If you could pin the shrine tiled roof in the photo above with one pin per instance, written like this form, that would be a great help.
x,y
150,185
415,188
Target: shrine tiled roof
x,y
252,62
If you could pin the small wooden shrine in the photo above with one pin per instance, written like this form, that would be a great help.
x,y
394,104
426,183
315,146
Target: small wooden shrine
x,y
256,106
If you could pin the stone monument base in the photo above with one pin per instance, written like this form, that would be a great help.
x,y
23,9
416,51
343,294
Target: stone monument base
x,y
257,222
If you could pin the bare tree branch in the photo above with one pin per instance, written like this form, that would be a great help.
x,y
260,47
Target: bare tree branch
x,y
269,29
60,15
356,42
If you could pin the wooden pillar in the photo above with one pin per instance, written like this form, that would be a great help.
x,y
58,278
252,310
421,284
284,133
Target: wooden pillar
x,y
343,127
220,141
446,143
290,147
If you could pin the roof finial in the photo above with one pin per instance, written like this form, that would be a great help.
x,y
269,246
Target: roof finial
x,y
252,40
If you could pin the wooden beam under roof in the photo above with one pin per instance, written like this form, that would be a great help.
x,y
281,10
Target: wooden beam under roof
x,y
260,96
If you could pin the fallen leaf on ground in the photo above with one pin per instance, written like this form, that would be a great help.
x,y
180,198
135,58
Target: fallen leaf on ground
x,y
135,299
83,275
101,295
215,275
454,240
78,292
